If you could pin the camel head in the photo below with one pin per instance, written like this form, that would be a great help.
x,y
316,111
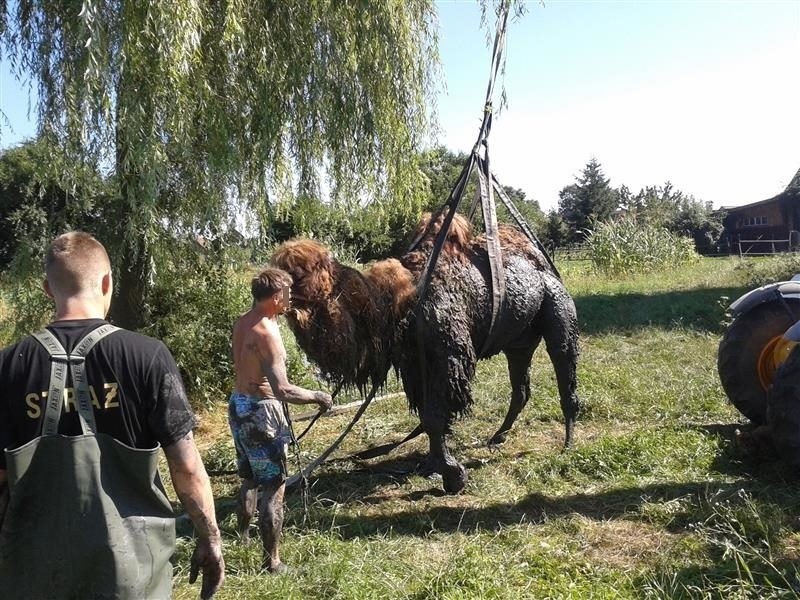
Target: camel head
x,y
312,268
342,319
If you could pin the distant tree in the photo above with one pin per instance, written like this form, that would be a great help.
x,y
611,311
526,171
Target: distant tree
x,y
556,232
590,198
665,206
442,168
657,205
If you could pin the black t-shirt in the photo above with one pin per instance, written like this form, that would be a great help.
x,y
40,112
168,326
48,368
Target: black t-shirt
x,y
134,384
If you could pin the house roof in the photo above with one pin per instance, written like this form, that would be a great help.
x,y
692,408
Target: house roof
x,y
794,184
793,189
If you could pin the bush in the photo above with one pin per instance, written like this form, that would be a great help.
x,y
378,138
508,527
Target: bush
x,y
625,246
196,298
762,271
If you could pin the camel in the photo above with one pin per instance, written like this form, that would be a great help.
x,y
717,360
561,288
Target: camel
x,y
356,326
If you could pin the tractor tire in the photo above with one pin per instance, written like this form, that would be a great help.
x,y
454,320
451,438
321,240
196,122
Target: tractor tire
x,y
783,413
740,350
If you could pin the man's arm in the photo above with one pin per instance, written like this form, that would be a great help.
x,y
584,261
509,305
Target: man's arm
x,y
191,483
274,369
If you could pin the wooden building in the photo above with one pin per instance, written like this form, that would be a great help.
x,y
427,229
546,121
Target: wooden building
x,y
767,226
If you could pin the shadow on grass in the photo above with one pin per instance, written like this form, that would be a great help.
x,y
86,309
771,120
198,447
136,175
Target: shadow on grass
x,y
622,503
384,482
700,309
408,513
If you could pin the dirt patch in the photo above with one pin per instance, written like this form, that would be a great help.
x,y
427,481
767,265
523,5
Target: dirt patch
x,y
625,544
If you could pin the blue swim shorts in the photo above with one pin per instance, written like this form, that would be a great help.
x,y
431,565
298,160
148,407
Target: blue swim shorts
x,y
261,435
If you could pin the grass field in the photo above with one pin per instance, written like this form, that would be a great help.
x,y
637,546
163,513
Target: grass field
x,y
654,501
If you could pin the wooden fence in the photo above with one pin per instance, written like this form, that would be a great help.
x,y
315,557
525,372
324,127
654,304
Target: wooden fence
x,y
766,247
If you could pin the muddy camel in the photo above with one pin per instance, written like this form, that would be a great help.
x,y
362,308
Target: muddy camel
x,y
356,326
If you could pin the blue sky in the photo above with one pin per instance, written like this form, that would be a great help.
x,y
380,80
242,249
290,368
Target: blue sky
x,y
705,94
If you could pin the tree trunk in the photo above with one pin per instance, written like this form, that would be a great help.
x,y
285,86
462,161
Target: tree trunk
x,y
128,308
132,257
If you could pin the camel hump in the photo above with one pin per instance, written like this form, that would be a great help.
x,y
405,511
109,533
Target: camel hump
x,y
515,243
458,237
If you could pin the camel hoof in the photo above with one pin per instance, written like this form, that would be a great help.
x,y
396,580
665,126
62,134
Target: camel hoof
x,y
426,468
454,479
497,439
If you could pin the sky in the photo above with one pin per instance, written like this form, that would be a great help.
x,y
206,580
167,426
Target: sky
x,y
704,94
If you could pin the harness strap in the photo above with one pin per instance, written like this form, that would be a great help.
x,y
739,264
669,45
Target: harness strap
x,y
58,380
493,249
59,359
523,225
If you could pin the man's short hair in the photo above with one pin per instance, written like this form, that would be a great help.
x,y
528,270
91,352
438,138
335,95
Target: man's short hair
x,y
269,282
75,263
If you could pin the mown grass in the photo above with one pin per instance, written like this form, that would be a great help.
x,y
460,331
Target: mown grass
x,y
654,501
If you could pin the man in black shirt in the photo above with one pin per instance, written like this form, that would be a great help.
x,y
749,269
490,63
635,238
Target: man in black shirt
x,y
137,398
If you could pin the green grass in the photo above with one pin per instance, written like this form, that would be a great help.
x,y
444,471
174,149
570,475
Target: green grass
x,y
654,501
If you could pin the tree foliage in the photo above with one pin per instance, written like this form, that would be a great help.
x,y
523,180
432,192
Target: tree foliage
x,y
34,205
591,198
188,105
379,230
442,168
680,213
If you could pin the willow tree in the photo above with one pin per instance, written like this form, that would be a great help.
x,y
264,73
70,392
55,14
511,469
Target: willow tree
x,y
194,106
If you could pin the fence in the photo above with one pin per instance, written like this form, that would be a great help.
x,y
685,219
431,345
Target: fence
x,y
766,247
576,252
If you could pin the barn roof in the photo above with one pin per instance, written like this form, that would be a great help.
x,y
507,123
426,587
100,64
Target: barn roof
x,y
794,184
793,189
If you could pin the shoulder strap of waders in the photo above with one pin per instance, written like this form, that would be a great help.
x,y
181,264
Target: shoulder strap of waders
x,y
59,360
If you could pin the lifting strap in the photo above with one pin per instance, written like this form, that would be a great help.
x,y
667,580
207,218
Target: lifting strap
x,y
488,185
486,194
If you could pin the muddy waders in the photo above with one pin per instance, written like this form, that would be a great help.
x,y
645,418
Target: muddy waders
x,y
87,516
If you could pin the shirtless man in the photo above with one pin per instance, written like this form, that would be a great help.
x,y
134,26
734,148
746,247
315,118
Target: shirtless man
x,y
257,413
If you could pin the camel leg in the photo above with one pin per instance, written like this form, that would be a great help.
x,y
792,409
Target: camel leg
x,y
560,331
454,475
519,362
437,425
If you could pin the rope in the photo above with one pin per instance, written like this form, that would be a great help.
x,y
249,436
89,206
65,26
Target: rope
x,y
319,414
304,473
296,445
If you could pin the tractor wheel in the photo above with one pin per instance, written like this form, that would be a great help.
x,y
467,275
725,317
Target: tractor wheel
x,y
745,359
783,416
